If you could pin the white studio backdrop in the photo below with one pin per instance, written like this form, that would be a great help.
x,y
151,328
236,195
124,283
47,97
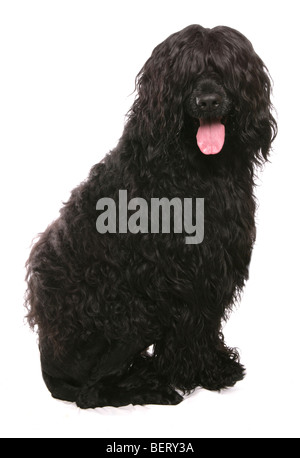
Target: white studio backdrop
x,y
66,82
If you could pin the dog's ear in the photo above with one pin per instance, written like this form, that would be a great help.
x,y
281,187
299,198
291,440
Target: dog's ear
x,y
162,86
247,80
259,125
158,106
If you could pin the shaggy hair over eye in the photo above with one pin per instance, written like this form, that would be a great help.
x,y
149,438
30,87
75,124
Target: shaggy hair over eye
x,y
200,124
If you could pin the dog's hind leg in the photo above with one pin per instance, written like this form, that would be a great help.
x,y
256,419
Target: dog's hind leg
x,y
137,384
100,374
65,375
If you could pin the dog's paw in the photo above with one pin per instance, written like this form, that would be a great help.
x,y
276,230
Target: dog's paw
x,y
164,396
88,398
225,373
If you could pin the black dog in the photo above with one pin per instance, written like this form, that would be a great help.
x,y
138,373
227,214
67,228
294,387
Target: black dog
x,y
200,124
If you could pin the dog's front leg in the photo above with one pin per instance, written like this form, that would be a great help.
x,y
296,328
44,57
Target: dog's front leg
x,y
193,353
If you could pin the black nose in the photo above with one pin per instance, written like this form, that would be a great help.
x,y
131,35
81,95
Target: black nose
x,y
208,102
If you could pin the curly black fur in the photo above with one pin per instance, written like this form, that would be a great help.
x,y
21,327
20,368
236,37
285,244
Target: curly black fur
x,y
100,300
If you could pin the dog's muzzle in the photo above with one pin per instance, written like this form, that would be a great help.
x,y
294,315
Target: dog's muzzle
x,y
210,104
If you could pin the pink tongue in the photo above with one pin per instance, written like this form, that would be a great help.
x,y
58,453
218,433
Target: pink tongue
x,y
210,136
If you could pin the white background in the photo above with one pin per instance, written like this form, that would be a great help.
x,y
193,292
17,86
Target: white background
x,y
66,81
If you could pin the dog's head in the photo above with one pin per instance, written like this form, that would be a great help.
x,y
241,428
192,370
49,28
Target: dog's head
x,y
210,79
